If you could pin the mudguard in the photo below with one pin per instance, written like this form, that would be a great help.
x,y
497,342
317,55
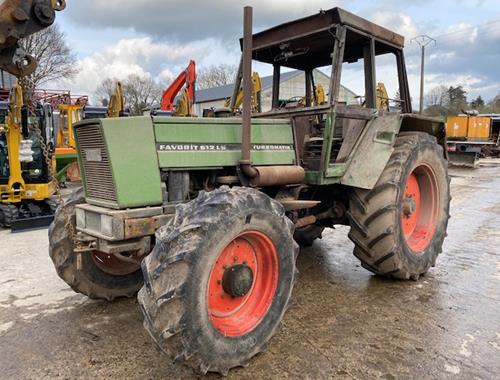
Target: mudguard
x,y
376,144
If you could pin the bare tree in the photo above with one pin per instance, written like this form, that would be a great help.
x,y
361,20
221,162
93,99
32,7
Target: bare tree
x,y
438,96
140,93
215,76
54,56
437,101
104,91
494,105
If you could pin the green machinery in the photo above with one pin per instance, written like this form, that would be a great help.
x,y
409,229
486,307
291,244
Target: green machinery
x,y
203,216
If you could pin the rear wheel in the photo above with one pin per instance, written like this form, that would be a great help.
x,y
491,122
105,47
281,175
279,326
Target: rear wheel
x,y
219,279
99,275
399,226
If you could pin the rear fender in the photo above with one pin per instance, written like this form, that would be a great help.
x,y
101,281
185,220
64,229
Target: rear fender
x,y
431,125
376,144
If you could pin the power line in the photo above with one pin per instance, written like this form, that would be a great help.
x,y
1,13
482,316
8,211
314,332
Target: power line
x,y
455,35
467,29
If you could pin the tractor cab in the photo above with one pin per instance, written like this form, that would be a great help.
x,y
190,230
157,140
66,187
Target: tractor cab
x,y
330,41
327,133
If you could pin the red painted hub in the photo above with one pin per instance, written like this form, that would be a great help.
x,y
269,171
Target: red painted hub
x,y
420,208
112,265
238,315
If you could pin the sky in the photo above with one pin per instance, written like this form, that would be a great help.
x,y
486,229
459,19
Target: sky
x,y
157,38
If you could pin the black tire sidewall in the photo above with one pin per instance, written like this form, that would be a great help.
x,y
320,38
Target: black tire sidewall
x,y
89,279
218,236
90,270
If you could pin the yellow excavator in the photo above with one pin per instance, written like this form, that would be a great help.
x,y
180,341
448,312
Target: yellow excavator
x,y
65,154
116,105
382,98
26,185
318,99
256,100
26,132
70,114
320,96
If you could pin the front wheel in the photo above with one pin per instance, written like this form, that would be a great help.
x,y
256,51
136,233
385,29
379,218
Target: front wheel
x,y
399,226
219,279
99,275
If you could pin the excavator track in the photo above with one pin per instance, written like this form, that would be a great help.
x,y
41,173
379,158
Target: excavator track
x,y
28,215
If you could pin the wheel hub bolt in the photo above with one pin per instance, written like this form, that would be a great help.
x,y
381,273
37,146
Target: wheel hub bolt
x,y
409,206
237,280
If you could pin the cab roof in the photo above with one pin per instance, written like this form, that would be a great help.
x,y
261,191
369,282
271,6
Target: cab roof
x,y
307,43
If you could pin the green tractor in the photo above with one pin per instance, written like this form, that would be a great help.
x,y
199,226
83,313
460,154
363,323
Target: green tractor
x,y
203,216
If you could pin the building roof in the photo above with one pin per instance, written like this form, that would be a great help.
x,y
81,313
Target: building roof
x,y
224,92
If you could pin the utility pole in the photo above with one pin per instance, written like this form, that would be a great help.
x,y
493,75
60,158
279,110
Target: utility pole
x,y
423,41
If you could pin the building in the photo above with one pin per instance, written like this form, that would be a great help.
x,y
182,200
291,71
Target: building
x,y
292,85
7,81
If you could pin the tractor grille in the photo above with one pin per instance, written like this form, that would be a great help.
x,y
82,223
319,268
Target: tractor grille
x,y
97,169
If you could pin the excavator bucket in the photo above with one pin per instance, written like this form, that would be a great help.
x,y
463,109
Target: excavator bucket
x,y
464,159
19,19
31,223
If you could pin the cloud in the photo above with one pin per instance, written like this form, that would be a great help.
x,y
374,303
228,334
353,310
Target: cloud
x,y
397,21
161,36
161,61
188,20
465,55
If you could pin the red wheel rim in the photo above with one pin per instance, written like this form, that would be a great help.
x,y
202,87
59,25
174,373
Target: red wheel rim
x,y
112,265
236,316
420,208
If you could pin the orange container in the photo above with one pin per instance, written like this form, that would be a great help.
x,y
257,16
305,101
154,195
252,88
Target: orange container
x,y
479,128
456,127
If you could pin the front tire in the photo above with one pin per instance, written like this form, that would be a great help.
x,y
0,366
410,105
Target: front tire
x,y
101,276
399,226
219,279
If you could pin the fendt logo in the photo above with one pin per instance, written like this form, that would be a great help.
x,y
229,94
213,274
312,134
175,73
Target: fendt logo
x,y
217,147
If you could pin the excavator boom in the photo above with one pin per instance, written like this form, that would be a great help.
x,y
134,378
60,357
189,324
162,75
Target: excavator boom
x,y
19,19
116,104
187,78
256,91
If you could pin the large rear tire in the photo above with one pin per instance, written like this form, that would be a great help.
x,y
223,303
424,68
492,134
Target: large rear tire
x,y
399,226
219,279
100,276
